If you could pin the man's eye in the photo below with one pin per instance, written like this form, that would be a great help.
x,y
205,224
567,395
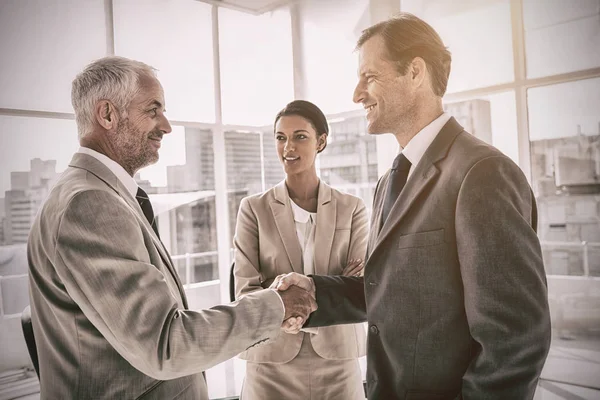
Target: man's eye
x,y
154,111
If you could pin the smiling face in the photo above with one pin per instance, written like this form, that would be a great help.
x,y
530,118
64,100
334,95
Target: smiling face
x,y
388,97
297,144
138,135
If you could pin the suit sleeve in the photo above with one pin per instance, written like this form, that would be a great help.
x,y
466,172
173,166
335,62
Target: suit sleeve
x,y
247,265
504,282
341,300
103,262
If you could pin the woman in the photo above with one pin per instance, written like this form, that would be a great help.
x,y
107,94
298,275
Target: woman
x,y
301,225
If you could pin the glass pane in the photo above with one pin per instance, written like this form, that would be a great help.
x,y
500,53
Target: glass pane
x,y
330,30
561,36
176,38
44,45
244,170
273,169
477,33
181,188
40,149
491,118
564,124
349,162
256,65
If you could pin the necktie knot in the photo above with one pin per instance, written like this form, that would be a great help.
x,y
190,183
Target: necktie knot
x,y
401,163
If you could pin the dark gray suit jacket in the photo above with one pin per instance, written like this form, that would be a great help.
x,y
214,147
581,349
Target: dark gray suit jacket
x,y
454,285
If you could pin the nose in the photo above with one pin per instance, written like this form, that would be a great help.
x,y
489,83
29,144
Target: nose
x,y
359,91
289,146
165,126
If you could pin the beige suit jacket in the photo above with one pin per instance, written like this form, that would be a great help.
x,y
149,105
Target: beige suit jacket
x,y
109,313
267,245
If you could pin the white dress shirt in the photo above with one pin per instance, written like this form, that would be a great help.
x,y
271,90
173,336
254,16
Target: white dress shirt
x,y
126,179
418,145
306,223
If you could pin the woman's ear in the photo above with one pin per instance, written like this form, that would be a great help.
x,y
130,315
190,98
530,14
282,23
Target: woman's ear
x,y
322,142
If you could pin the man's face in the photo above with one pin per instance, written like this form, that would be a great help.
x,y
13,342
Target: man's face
x,y
139,134
387,96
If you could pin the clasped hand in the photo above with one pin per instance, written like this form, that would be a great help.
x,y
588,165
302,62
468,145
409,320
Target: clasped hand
x,y
299,296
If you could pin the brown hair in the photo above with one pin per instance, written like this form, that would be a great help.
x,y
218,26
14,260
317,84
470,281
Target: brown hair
x,y
406,37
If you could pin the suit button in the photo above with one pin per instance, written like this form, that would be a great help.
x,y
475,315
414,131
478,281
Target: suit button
x,y
374,330
373,283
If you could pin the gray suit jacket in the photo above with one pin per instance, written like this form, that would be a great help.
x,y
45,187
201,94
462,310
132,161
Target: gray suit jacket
x,y
267,245
109,312
454,287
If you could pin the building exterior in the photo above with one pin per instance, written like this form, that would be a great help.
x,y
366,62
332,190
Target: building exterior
x,y
349,162
21,203
566,183
475,116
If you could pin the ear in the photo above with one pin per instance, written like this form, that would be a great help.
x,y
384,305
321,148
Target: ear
x,y
418,71
106,114
321,142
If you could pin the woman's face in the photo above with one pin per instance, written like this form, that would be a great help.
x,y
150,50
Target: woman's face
x,y
297,144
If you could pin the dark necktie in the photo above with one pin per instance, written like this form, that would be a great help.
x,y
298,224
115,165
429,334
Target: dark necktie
x,y
144,202
396,182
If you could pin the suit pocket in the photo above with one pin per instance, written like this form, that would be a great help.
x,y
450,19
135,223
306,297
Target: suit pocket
x,y
421,239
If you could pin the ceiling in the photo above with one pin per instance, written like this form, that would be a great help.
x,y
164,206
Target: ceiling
x,y
255,7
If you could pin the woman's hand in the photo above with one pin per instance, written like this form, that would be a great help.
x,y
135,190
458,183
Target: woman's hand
x,y
354,268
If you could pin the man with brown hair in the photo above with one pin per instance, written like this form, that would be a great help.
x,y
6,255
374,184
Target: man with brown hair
x,y
454,288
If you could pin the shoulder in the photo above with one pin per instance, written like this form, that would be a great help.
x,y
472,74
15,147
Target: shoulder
x,y
259,201
469,153
346,199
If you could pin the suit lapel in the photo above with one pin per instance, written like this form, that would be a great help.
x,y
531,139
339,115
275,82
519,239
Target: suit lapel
x,y
423,176
100,170
325,229
284,220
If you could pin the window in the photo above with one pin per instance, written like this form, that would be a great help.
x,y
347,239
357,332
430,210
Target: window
x,y
272,165
561,36
564,122
477,33
256,65
329,37
491,118
44,45
176,38
349,162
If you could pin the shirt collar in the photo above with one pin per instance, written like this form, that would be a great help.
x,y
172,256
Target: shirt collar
x,y
300,214
418,145
126,179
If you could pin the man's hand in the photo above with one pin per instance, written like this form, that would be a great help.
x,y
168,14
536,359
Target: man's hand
x,y
354,268
283,283
298,305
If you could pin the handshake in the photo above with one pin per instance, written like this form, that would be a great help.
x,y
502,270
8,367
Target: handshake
x,y
299,298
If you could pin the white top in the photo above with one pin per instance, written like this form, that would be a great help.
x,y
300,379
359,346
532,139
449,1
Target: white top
x,y
306,223
418,145
126,179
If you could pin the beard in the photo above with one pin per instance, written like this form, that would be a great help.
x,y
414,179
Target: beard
x,y
131,144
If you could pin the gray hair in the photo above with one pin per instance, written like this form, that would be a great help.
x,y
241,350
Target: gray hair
x,y
113,78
